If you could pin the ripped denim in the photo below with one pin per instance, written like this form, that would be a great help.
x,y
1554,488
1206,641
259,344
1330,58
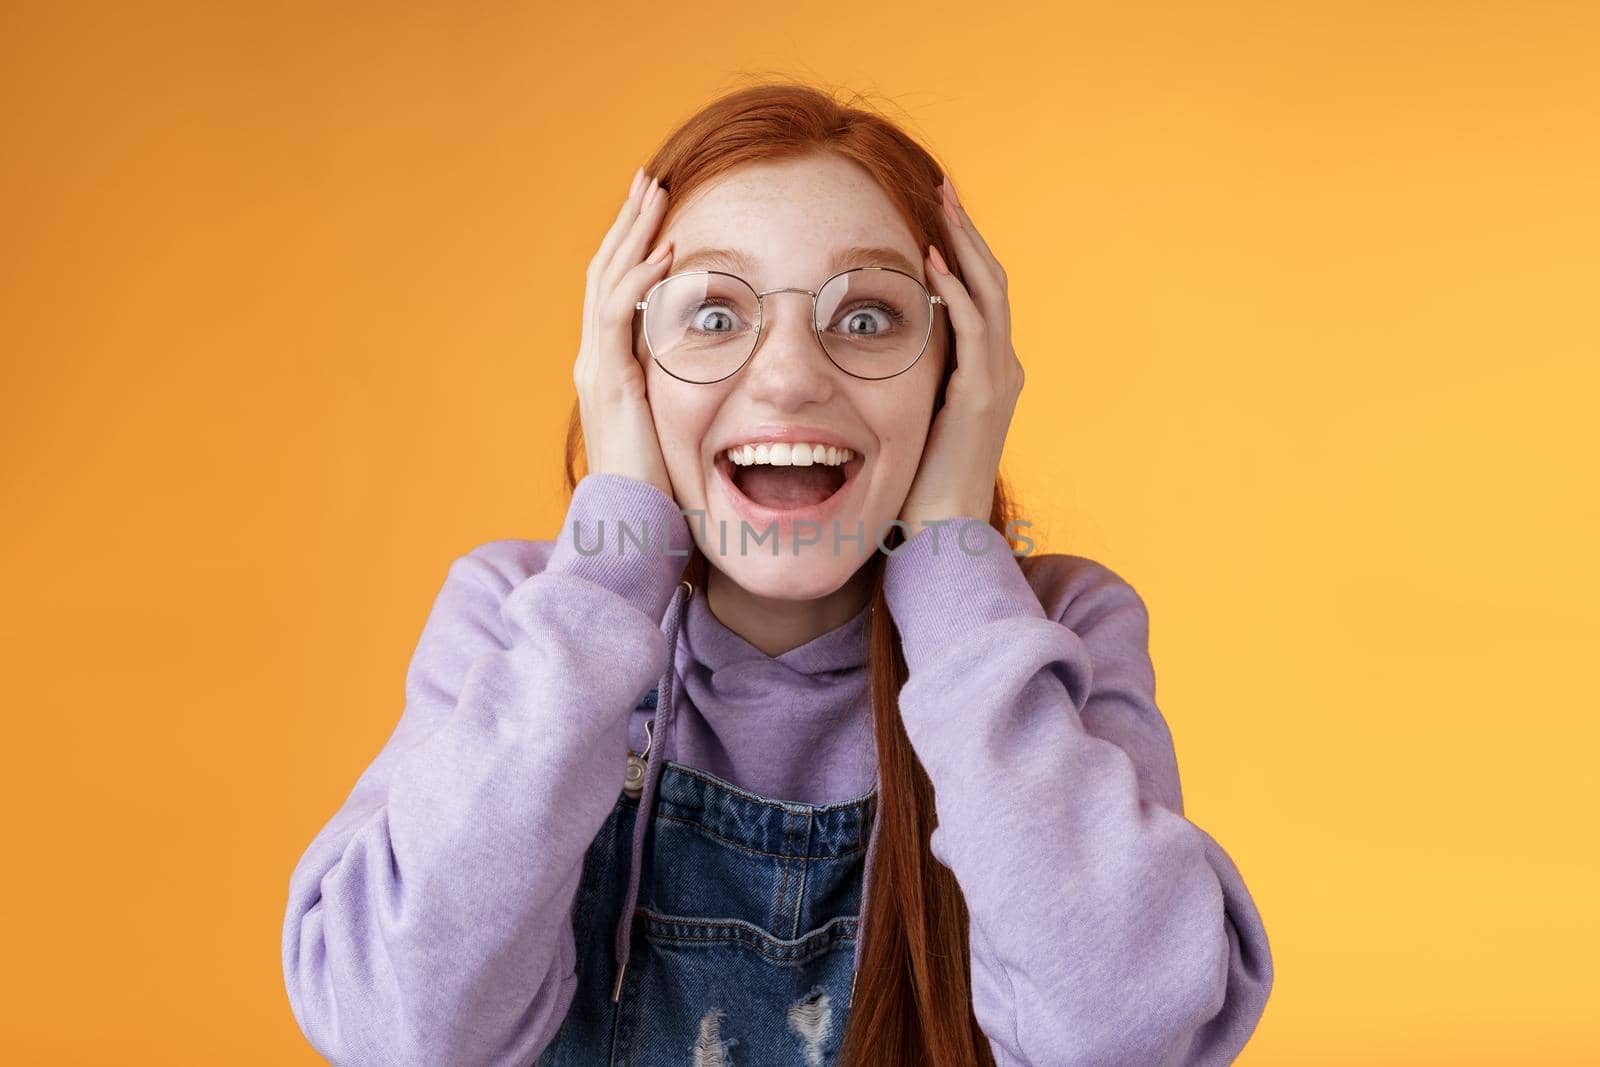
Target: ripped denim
x,y
743,940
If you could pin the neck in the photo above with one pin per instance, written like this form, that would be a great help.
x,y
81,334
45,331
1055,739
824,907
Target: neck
x,y
776,625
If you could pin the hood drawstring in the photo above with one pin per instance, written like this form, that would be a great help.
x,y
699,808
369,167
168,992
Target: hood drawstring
x,y
659,740
658,748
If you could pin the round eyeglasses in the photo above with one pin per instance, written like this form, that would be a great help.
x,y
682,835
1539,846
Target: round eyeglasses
x,y
702,326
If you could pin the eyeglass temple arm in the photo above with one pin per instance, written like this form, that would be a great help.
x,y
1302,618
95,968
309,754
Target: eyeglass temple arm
x,y
933,298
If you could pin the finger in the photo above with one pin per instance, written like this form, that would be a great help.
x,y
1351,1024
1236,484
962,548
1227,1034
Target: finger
x,y
980,259
652,208
972,331
629,241
983,273
608,244
620,307
625,216
949,188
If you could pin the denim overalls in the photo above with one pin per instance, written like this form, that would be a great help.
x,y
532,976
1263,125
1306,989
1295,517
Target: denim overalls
x,y
744,932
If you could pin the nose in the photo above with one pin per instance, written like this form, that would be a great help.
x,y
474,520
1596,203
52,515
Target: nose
x,y
789,366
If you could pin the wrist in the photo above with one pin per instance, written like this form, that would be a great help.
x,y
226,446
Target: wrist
x,y
955,513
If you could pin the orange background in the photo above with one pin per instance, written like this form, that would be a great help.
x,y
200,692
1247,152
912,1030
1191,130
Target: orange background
x,y
1306,294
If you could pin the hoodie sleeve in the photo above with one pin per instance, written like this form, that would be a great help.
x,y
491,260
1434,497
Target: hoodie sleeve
x,y
429,922
1105,927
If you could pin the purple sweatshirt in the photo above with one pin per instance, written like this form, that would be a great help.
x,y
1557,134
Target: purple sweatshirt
x,y
429,922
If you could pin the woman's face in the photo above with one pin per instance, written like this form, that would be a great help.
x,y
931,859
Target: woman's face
x,y
789,221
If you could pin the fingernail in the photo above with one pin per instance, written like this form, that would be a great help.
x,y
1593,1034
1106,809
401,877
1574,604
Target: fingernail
x,y
650,197
938,261
660,253
633,187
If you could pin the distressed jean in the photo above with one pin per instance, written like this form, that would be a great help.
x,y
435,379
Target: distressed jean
x,y
743,939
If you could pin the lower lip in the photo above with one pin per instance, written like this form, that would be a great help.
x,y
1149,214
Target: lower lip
x,y
784,519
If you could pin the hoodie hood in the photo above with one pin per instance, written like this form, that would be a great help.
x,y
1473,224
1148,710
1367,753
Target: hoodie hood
x,y
816,741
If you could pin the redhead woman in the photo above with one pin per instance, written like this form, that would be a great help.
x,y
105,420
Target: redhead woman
x,y
781,751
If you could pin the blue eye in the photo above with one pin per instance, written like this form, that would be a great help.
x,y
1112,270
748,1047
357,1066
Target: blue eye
x,y
696,323
887,319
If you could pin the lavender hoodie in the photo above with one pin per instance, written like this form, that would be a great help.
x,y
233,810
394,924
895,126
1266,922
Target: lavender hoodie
x,y
429,922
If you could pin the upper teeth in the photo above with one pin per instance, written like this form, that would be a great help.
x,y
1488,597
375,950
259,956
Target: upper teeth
x,y
784,454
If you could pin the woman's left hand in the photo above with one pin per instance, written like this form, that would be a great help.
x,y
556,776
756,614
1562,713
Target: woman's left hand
x,y
956,476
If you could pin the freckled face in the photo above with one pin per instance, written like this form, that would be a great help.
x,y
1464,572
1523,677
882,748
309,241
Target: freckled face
x,y
791,219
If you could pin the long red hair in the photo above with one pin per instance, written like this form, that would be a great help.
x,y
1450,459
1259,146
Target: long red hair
x,y
913,995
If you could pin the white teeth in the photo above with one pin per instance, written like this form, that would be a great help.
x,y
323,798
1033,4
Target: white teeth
x,y
784,454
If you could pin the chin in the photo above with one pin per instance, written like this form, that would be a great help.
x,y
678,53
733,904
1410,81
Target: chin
x,y
814,572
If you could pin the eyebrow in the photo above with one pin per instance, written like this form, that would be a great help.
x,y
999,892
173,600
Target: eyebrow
x,y
738,262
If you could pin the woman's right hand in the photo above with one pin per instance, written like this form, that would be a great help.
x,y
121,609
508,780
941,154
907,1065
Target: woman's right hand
x,y
619,433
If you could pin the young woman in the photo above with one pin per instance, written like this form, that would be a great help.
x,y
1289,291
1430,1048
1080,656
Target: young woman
x,y
761,760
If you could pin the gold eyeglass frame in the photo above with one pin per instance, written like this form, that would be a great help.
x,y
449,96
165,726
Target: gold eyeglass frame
x,y
761,315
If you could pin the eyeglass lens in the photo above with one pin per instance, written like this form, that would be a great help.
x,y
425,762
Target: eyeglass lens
x,y
872,323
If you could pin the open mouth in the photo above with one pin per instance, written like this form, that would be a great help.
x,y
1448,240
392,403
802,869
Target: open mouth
x,y
766,491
